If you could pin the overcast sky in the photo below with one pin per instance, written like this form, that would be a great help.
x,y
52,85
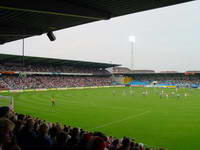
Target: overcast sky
x,y
166,39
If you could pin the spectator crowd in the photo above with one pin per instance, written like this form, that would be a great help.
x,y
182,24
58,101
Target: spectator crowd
x,y
23,132
55,81
23,81
53,68
180,80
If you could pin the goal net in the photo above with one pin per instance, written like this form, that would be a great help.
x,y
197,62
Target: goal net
x,y
7,101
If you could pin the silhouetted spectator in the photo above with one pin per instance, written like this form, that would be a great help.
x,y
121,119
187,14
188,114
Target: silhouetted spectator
x,y
125,144
61,142
43,140
27,137
4,112
6,128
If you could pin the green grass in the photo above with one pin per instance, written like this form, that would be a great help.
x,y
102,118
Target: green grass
x,y
158,122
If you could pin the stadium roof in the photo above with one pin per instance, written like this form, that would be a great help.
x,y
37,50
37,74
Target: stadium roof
x,y
25,18
5,58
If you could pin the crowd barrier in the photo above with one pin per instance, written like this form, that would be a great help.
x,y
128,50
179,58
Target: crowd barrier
x,y
91,87
54,89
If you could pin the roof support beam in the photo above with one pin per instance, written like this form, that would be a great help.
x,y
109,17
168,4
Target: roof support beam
x,y
2,42
55,7
15,32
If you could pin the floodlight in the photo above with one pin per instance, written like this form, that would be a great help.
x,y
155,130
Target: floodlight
x,y
132,39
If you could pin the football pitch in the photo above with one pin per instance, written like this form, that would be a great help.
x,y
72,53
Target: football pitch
x,y
173,123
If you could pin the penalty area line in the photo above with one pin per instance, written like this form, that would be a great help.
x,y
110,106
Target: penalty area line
x,y
121,120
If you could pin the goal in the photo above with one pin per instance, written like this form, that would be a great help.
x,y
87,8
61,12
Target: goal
x,y
7,101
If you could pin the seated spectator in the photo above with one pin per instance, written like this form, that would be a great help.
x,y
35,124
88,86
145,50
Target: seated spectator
x,y
125,144
73,141
53,132
86,137
27,137
61,142
43,140
97,143
114,145
4,112
6,137
136,147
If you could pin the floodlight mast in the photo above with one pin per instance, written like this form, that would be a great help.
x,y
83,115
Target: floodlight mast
x,y
132,41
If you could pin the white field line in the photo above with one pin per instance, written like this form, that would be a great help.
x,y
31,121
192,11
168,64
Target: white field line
x,y
121,120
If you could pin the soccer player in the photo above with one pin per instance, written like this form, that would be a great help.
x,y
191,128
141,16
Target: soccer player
x,y
167,96
161,95
124,93
114,92
178,96
131,92
185,95
162,91
143,93
53,101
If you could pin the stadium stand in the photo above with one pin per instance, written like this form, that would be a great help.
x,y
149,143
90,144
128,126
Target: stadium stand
x,y
38,64
118,70
168,71
51,73
173,79
38,81
121,70
143,71
188,79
